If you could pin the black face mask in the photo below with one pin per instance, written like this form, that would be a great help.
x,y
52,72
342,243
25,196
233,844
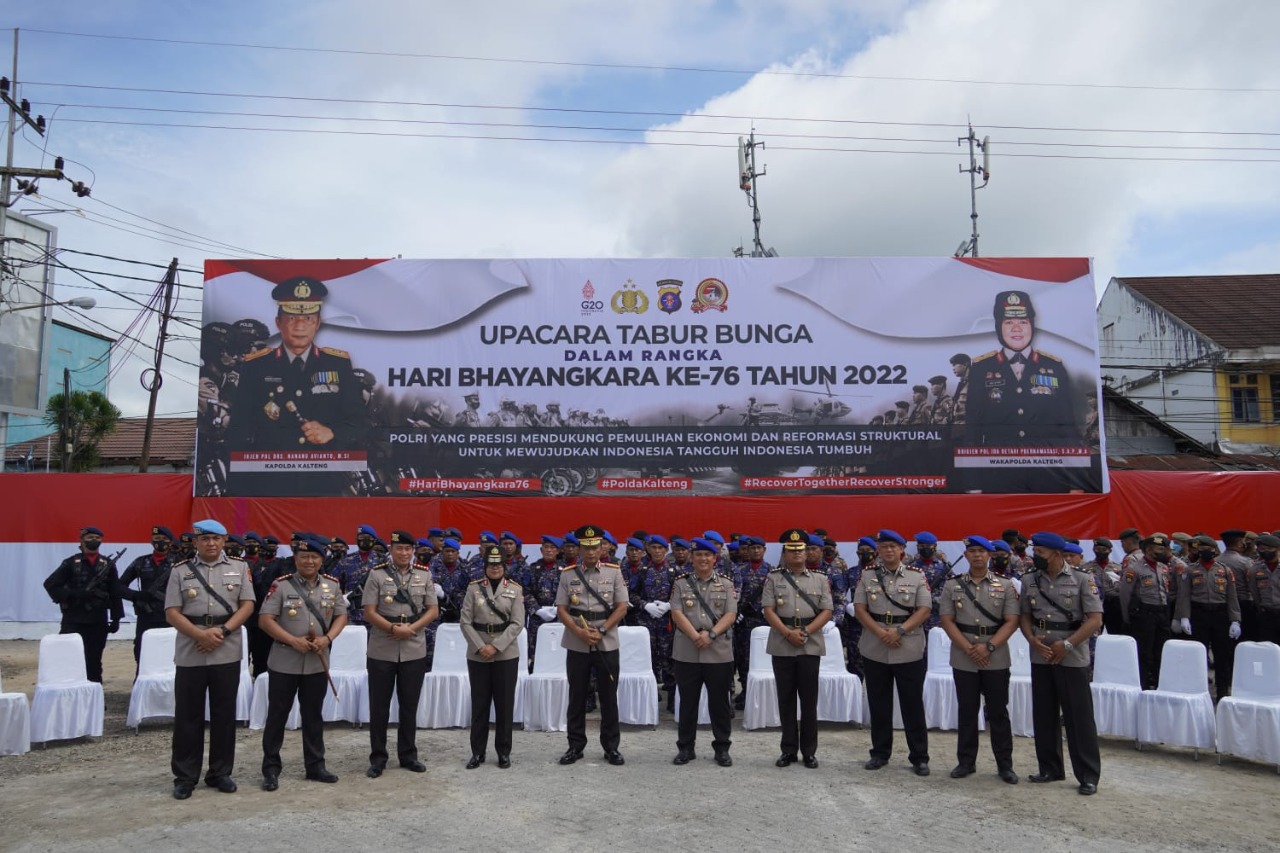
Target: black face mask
x,y
338,553
92,545
1102,555
251,550
927,551
866,557
1207,554
1000,562
365,545
1266,556
269,551
1041,563
160,547
1163,557
234,551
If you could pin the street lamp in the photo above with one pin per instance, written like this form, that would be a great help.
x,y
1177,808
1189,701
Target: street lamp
x,y
85,302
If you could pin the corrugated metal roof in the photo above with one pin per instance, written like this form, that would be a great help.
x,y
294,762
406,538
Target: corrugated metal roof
x,y
1223,308
173,441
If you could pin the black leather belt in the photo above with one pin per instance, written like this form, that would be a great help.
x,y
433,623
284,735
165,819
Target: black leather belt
x,y
1141,607
889,618
1053,625
489,629
401,620
797,622
1208,608
590,615
979,630
207,621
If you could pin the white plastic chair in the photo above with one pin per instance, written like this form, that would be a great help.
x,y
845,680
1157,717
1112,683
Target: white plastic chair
x,y
66,704
1179,712
1249,719
839,691
152,693
1020,719
15,723
762,689
350,673
941,708
1116,686
446,689
546,690
637,685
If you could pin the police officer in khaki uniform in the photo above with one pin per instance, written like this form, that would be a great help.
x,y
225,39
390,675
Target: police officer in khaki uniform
x,y
1264,583
1106,574
591,600
208,599
979,612
1061,610
892,602
1208,609
399,603
796,604
1234,558
492,619
1146,589
704,606
303,613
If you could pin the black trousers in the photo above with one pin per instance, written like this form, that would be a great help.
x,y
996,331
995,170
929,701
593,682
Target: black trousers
x,y
1149,626
1061,694
282,689
1250,631
259,649
797,678
993,686
405,679
190,686
718,679
909,679
1113,616
492,684
1268,626
95,642
1209,627
580,667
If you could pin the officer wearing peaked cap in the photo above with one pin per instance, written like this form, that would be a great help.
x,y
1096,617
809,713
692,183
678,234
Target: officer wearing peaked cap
x,y
1147,589
1208,610
296,396
492,619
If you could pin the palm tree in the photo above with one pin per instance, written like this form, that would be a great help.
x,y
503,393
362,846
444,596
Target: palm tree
x,y
82,423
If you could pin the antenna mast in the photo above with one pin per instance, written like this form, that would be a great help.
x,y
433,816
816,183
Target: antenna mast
x,y
970,247
747,175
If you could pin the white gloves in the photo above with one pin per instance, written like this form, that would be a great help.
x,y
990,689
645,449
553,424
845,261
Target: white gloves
x,y
1186,627
439,593
1175,626
664,606
653,610
851,609
1113,576
1234,631
546,614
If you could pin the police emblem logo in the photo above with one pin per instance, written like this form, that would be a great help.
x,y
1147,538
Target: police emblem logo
x,y
669,300
629,300
302,290
711,293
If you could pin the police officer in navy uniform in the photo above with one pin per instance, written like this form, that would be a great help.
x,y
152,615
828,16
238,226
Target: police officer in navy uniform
x,y
152,573
1021,396
87,588
296,396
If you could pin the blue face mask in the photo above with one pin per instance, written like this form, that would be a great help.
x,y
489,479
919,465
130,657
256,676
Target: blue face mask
x,y
1177,547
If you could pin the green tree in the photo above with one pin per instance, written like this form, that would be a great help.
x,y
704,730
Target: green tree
x,y
82,424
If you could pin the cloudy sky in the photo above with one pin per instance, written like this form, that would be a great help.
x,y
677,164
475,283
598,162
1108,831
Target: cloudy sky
x,y
1143,133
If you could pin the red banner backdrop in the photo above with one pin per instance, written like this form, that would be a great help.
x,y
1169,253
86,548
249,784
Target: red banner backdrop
x,y
52,508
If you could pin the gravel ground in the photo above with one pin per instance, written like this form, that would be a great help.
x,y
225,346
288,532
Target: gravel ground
x,y
114,794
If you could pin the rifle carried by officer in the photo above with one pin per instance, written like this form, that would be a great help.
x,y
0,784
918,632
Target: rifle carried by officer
x,y
94,596
149,599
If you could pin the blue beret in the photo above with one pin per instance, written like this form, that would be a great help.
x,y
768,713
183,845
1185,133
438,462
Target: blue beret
x,y
90,531
570,539
608,537
980,541
206,526
924,537
308,546
1046,539
367,530
321,538
425,543
451,543
160,530
733,546
1001,545
436,531
655,539
633,542
253,537
1073,548
507,534
453,533
680,543
890,536
868,541
548,539
489,535
816,540
239,540
713,536
270,540
700,544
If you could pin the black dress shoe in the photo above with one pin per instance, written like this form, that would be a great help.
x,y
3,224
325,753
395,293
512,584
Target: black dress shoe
x,y
920,769
1044,777
811,761
374,771
322,775
785,760
723,759
683,757
571,756
182,790
224,784
414,766
874,763
615,758
476,761
740,701
962,770
504,761
1009,776
270,782
1088,789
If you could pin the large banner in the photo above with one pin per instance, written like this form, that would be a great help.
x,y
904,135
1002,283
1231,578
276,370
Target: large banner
x,y
649,377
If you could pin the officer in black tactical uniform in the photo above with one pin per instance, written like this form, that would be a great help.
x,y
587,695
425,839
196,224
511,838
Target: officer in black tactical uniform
x,y
87,588
152,573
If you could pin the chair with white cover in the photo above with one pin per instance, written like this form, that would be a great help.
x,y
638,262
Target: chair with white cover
x,y
546,689
704,715
259,692
1020,720
1249,719
350,673
66,703
941,708
15,723
1179,712
1116,686
637,685
446,690
839,691
152,694
762,690
244,693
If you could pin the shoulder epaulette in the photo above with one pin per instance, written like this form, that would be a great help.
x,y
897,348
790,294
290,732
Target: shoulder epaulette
x,y
338,352
684,575
987,355
911,567
330,577
513,582
725,576
258,353
567,568
284,577
774,571
1049,356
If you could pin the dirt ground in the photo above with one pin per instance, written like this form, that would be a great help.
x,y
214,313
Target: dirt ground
x,y
114,794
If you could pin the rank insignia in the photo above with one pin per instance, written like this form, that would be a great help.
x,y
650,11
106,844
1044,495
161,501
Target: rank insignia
x,y
272,410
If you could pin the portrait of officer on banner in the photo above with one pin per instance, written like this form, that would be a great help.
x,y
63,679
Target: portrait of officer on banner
x,y
297,396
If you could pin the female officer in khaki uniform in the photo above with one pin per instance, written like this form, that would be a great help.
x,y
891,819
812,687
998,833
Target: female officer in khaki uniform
x,y
492,619
703,608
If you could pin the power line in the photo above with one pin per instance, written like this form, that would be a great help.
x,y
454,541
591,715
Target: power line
x,y
137,263
619,66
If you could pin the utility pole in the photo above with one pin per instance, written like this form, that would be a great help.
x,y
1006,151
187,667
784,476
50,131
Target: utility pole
x,y
970,246
67,446
170,279
747,175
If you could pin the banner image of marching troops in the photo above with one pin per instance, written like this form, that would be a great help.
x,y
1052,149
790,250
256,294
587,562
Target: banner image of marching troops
x,y
743,376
